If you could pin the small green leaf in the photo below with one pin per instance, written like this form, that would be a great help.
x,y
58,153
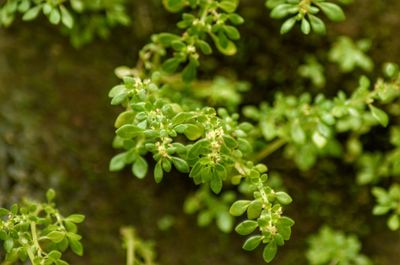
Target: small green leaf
x,y
77,5
66,17
32,13
193,132
24,6
140,167
117,162
124,118
14,208
252,243
288,25
167,39
182,117
204,47
281,11
173,5
128,131
236,19
390,69
228,5
158,172
216,184
56,236
379,115
204,218
55,16
50,195
286,221
171,65
4,212
269,252
254,209
180,164
297,133
239,207
380,210
8,244
47,9
284,230
70,226
246,227
190,71
305,26
283,197
74,236
76,218
317,24
54,255
76,247
224,222
118,99
61,262
332,11
319,139
394,222
232,32
225,46
116,90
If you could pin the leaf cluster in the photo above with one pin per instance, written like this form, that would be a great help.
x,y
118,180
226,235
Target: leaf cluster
x,y
38,232
304,12
81,19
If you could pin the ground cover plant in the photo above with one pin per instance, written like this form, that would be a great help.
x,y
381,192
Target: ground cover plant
x,y
266,119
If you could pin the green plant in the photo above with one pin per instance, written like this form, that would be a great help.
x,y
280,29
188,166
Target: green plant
x,y
334,247
38,232
177,116
138,252
82,18
212,146
304,11
388,201
349,55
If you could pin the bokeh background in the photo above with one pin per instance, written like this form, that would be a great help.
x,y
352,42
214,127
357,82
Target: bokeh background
x,y
56,129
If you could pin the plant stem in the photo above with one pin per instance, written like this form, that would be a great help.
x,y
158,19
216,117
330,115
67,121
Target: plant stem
x,y
30,255
128,233
35,239
269,149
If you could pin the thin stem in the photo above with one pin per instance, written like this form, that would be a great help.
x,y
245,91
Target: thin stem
x,y
30,255
130,252
35,239
269,149
130,246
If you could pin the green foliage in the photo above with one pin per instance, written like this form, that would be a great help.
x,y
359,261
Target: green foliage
x,y
312,124
211,145
211,208
349,55
38,232
304,12
388,201
334,247
82,18
314,71
138,252
178,118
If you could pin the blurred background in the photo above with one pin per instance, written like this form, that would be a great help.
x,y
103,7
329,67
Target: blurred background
x,y
56,129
